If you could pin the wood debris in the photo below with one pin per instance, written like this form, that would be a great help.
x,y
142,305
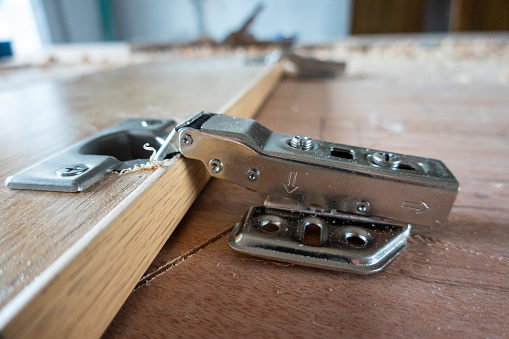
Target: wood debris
x,y
151,165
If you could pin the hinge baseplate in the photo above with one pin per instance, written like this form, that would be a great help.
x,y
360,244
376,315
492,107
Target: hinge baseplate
x,y
324,241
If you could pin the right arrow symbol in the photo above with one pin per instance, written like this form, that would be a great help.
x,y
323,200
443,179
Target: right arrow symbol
x,y
419,207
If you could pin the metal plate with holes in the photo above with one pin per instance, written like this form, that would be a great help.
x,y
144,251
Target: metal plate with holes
x,y
83,164
319,241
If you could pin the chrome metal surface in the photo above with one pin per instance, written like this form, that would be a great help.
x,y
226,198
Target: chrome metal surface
x,y
296,142
385,159
72,170
330,176
359,201
320,241
83,164
149,123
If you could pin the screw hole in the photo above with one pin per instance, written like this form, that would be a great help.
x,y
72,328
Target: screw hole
x,y
356,240
406,167
341,153
270,227
312,234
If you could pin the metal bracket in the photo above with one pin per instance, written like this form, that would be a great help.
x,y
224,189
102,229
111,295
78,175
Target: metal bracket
x,y
308,67
334,242
360,201
305,67
85,163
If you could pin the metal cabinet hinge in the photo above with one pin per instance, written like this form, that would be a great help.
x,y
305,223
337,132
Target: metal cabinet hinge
x,y
330,205
85,163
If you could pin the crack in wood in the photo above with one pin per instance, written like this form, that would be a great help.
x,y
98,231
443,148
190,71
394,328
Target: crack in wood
x,y
177,261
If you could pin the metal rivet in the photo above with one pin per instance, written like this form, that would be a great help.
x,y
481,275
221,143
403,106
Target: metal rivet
x,y
72,170
363,206
215,165
253,174
186,139
151,122
385,159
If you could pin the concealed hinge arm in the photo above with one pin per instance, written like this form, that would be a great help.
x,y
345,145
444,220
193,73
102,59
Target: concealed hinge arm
x,y
379,194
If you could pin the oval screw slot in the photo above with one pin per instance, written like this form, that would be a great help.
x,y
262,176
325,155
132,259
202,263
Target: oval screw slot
x,y
312,234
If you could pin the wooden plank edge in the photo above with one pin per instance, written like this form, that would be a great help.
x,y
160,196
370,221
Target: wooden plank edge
x,y
81,292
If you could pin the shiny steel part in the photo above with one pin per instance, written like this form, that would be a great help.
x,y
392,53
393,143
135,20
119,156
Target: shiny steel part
x,y
359,202
332,177
83,164
72,170
321,241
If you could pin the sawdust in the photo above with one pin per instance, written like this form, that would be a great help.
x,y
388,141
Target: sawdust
x,y
151,165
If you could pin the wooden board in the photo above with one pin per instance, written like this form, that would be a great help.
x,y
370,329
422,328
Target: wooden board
x,y
388,16
451,281
70,260
471,15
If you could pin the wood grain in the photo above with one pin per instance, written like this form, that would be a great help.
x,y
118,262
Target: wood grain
x,y
451,281
388,16
471,15
68,267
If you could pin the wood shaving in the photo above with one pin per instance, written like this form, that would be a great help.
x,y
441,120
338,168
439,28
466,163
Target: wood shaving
x,y
151,165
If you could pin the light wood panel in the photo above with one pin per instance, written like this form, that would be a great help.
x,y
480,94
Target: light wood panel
x,y
70,260
451,281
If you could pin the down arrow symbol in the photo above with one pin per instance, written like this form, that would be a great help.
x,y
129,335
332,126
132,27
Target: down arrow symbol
x,y
290,187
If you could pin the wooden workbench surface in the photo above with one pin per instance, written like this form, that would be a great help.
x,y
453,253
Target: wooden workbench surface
x,y
451,281
69,260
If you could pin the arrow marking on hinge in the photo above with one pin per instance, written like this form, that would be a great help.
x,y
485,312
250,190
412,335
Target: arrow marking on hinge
x,y
419,207
290,187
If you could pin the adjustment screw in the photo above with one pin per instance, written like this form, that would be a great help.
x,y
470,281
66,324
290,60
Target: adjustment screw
x,y
72,170
385,159
363,206
295,142
307,143
253,174
186,139
215,165
299,142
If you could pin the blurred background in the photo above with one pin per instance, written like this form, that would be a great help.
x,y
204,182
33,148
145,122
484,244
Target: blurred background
x,y
28,25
